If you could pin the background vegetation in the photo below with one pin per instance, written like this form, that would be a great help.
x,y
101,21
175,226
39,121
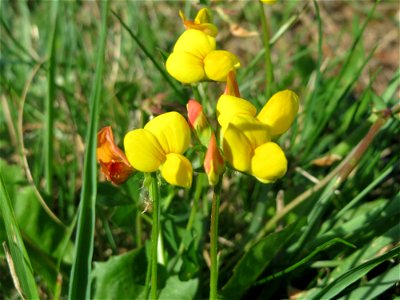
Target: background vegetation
x,y
329,229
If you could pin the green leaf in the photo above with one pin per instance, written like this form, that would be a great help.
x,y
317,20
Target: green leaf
x,y
176,289
18,256
80,272
121,277
376,286
354,274
190,262
254,262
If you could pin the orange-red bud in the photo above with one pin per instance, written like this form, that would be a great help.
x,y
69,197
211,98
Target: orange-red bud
x,y
199,122
113,162
232,88
214,162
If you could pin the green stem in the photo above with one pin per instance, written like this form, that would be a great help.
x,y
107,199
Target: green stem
x,y
138,228
269,78
155,197
214,240
196,93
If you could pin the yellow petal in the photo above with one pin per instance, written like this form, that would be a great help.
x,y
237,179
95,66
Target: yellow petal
x,y
269,1
185,67
237,148
268,163
177,170
229,106
218,63
172,132
195,42
143,150
280,111
256,132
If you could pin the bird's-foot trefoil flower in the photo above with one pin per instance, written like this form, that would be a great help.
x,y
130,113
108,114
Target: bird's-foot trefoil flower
x,y
195,58
160,146
246,136
214,164
198,122
202,22
113,162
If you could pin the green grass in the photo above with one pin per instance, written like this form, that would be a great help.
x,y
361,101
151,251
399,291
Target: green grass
x,y
325,231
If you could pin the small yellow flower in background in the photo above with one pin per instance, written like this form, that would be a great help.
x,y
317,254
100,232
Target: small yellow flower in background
x,y
113,162
268,1
198,122
202,22
214,164
246,137
195,59
159,146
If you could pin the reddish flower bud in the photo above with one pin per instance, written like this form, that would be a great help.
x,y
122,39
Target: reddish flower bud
x,y
214,164
199,122
113,162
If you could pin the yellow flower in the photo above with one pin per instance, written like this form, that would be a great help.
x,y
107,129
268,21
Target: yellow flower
x,y
246,137
195,59
159,146
202,22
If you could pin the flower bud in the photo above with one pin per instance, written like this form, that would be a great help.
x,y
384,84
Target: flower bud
x,y
199,122
214,162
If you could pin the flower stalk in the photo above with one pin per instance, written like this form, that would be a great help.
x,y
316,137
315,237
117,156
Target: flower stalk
x,y
214,240
155,198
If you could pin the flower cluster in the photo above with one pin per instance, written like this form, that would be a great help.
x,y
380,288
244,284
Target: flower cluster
x,y
195,57
246,137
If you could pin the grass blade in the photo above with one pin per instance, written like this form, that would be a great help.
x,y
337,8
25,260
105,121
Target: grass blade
x,y
21,266
80,274
49,104
305,259
376,286
353,275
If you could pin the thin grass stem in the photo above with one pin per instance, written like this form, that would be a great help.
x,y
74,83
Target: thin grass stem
x,y
151,57
269,76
